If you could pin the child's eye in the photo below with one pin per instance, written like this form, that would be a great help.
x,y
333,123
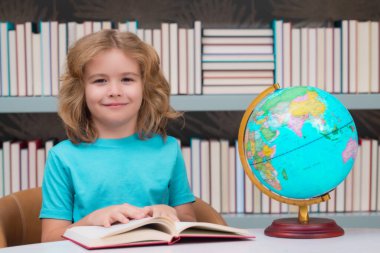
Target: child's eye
x,y
100,81
127,79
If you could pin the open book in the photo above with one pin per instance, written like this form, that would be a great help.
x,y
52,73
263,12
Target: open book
x,y
148,231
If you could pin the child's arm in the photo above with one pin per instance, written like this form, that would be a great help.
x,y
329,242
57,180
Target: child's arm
x,y
53,229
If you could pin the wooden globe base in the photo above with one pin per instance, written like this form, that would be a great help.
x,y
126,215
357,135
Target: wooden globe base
x,y
315,228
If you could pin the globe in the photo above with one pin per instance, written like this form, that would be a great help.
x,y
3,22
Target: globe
x,y
296,145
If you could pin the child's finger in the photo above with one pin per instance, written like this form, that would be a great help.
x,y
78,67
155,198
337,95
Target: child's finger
x,y
173,217
106,223
120,217
148,211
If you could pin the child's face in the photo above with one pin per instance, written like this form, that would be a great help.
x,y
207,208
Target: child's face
x,y
113,90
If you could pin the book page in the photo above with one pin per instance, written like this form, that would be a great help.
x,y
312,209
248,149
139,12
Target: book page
x,y
137,235
208,228
92,232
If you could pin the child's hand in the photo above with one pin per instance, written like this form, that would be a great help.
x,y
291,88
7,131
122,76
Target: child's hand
x,y
117,213
164,211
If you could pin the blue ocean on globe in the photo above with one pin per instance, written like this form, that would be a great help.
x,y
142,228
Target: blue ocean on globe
x,y
300,142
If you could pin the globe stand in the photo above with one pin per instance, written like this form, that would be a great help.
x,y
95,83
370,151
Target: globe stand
x,y
304,227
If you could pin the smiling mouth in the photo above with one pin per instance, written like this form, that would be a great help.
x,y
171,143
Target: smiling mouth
x,y
115,104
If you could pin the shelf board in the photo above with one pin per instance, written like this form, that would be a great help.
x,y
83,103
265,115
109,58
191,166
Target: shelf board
x,y
345,220
183,103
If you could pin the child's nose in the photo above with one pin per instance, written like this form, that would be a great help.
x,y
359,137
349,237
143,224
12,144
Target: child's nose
x,y
115,89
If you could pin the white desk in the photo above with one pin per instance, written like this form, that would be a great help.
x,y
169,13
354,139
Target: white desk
x,y
354,240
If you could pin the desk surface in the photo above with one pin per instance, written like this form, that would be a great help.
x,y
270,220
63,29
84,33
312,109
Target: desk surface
x,y
354,240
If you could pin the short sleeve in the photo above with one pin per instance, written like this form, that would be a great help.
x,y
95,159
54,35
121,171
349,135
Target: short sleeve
x,y
57,193
179,188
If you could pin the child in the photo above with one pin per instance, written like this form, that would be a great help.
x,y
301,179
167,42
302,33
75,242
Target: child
x,y
118,163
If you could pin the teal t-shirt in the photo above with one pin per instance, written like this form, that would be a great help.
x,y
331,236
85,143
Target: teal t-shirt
x,y
81,178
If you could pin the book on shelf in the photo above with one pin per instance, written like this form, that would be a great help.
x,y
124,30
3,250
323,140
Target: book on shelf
x,y
224,170
238,40
54,61
322,207
237,49
374,51
190,62
312,56
286,57
62,44
16,170
148,36
156,42
248,195
234,89
88,27
4,89
337,66
373,174
238,32
278,50
296,57
237,81
173,58
149,231
122,26
238,66
239,183
21,59
304,42
215,175
365,175
238,74
6,167
352,56
256,199
41,159
186,153
165,50
198,68
339,197
231,180
12,61
329,58
33,146
344,55
237,57
46,58
363,57
37,61
182,61
79,33
320,60
331,202
195,147
29,58
348,195
356,171
205,171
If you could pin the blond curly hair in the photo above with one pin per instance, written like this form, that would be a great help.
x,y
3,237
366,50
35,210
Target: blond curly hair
x,y
155,110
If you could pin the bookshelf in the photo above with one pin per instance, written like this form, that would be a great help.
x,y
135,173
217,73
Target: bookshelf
x,y
183,103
